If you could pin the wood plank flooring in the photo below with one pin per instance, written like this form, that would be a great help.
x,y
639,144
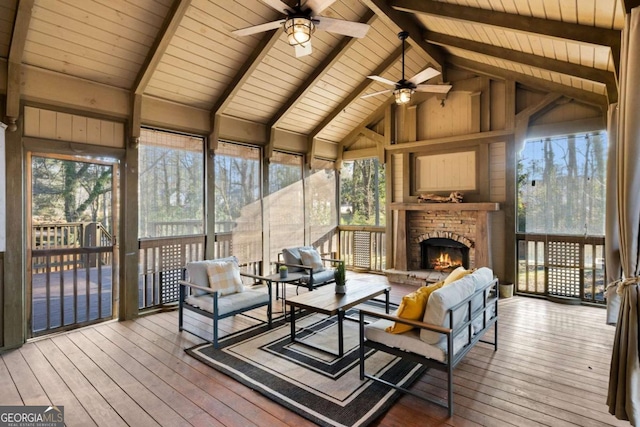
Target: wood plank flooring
x,y
551,368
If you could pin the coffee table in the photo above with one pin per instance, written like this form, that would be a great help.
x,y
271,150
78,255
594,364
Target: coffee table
x,y
324,300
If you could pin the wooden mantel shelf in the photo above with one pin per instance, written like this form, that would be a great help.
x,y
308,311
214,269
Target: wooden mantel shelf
x,y
445,206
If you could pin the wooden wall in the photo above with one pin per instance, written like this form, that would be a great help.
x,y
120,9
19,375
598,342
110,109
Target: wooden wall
x,y
55,125
479,115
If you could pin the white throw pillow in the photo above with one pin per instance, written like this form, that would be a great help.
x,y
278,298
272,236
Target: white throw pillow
x,y
224,277
440,302
198,274
311,257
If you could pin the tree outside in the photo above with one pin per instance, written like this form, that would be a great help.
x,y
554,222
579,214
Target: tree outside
x,y
561,185
67,191
362,193
170,184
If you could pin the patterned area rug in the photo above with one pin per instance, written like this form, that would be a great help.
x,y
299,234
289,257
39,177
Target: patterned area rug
x,y
319,386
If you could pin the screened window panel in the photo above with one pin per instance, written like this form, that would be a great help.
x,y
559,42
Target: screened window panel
x,y
170,184
286,203
238,208
362,193
561,185
322,208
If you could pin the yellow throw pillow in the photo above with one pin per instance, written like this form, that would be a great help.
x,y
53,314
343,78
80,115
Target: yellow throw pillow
x,y
412,307
456,274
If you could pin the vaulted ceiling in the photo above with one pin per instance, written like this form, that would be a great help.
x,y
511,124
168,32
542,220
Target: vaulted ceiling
x,y
183,51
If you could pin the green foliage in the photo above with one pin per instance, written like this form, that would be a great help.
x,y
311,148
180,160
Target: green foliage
x,y
70,191
170,184
341,274
362,193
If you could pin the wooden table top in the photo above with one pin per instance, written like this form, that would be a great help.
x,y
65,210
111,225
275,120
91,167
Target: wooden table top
x,y
325,300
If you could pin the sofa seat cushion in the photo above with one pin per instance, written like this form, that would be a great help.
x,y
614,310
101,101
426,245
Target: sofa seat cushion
x,y
439,304
229,303
320,277
410,341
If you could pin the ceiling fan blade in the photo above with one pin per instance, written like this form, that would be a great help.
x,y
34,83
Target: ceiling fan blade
x,y
346,28
278,5
433,88
303,50
318,6
376,93
258,28
382,80
424,75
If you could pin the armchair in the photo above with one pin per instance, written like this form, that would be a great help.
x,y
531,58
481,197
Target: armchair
x,y
306,260
214,289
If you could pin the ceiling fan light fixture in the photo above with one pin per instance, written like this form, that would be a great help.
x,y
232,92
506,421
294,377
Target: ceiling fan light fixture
x,y
403,95
298,30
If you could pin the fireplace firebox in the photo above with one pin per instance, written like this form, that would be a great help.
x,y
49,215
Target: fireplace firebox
x,y
443,254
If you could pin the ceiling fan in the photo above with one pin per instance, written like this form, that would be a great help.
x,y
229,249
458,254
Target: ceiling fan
x,y
302,20
405,88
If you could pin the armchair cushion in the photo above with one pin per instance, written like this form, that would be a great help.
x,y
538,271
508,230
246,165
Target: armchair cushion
x,y
230,303
292,256
224,277
311,257
198,274
321,277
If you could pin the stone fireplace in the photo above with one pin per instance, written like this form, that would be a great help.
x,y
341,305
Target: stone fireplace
x,y
444,254
461,228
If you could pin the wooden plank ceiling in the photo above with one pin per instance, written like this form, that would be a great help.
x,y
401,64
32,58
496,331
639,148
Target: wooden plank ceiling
x,y
183,51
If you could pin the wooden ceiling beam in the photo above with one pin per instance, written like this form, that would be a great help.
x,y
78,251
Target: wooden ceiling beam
x,y
14,64
384,111
321,70
588,73
355,95
406,22
170,26
257,56
563,30
160,45
548,86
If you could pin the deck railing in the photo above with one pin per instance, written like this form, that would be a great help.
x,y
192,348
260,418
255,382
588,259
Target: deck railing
x,y
161,265
559,266
162,260
363,247
69,235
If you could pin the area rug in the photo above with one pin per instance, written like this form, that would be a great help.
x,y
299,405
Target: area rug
x,y
319,386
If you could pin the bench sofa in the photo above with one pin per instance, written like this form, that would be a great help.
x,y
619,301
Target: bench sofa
x,y
456,318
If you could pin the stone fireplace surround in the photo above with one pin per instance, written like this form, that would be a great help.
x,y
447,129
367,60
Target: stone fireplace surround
x,y
467,223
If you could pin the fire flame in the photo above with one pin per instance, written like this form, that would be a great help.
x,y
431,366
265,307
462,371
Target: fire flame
x,y
444,261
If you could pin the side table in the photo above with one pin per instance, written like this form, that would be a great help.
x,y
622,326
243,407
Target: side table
x,y
291,278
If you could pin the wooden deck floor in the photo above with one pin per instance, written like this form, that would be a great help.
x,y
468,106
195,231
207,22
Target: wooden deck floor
x,y
551,369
